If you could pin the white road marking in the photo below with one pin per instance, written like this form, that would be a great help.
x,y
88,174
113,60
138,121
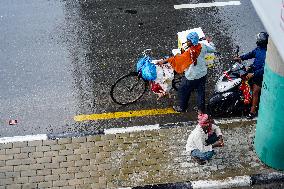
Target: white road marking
x,y
202,5
23,138
228,121
229,182
132,129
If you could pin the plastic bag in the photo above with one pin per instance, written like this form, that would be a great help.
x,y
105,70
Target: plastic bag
x,y
147,69
163,82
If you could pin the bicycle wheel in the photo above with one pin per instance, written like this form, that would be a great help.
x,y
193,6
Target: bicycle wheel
x,y
128,89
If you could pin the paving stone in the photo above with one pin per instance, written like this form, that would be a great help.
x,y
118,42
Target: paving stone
x,y
74,169
6,181
68,187
6,146
75,182
74,157
29,185
73,146
45,184
35,154
94,138
21,180
50,153
87,156
49,142
43,148
53,165
89,144
28,149
67,164
59,183
14,186
66,152
44,160
20,144
51,177
57,147
79,139
43,172
59,159
6,157
81,151
21,156
67,176
28,173
28,161
13,162
12,174
59,171
36,179
35,143
64,141
82,175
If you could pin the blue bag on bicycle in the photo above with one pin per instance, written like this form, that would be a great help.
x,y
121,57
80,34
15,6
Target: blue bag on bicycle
x,y
147,69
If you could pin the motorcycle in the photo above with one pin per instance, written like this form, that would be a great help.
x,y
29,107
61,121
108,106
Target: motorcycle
x,y
232,94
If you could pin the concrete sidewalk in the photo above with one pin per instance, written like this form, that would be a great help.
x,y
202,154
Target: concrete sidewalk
x,y
125,160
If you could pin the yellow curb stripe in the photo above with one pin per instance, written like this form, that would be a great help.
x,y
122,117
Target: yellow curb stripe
x,y
117,115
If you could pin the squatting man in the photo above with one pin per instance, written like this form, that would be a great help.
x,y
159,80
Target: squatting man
x,y
203,139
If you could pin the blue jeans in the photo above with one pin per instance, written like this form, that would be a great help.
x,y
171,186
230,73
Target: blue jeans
x,y
202,155
206,155
184,92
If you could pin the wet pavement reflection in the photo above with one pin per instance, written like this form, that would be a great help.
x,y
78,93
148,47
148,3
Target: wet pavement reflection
x,y
59,58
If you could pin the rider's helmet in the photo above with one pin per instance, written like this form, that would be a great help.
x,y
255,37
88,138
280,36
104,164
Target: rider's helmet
x,y
193,37
262,39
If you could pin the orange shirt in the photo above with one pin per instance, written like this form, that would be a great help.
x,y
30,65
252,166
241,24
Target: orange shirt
x,y
181,62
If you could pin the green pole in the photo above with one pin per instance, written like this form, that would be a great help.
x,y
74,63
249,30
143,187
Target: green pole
x,y
269,136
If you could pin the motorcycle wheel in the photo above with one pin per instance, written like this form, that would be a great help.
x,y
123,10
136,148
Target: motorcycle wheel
x,y
222,107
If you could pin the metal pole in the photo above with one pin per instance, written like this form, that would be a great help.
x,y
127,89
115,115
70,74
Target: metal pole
x,y
269,136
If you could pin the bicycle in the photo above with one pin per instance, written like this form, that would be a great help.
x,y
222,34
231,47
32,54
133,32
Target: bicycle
x,y
131,87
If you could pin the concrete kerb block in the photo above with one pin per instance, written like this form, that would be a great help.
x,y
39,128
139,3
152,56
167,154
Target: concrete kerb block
x,y
275,177
73,135
230,182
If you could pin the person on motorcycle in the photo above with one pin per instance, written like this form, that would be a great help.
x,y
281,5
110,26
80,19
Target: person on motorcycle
x,y
203,139
256,70
195,75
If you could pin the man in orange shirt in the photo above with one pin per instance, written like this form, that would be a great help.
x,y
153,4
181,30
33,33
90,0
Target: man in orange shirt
x,y
181,62
187,62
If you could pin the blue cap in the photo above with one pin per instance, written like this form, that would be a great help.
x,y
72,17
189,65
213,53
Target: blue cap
x,y
193,37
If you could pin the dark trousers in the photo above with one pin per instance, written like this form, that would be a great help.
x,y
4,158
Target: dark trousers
x,y
186,87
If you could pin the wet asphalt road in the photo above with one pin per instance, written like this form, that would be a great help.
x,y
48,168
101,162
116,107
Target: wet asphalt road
x,y
58,58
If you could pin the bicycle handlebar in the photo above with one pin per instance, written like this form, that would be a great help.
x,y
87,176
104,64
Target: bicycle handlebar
x,y
144,52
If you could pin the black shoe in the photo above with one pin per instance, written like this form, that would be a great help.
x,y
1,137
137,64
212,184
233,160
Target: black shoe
x,y
178,109
251,115
199,161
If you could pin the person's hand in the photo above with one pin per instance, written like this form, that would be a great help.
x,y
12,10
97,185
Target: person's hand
x,y
160,62
209,39
237,59
221,142
250,75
